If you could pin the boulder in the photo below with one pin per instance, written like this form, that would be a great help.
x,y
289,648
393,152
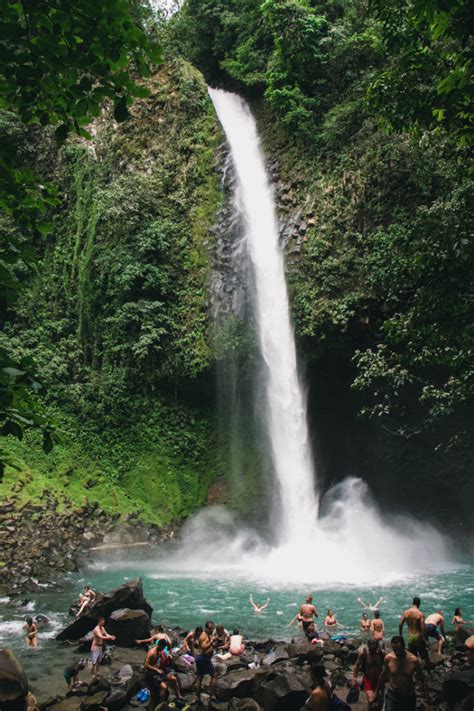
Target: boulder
x,y
95,702
72,703
244,705
238,683
128,625
305,652
277,654
283,691
129,595
186,681
116,700
13,682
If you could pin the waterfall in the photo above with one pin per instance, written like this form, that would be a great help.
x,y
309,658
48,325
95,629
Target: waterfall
x,y
352,542
284,403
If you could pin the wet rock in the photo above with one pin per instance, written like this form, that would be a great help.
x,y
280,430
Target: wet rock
x,y
13,682
72,703
94,702
281,692
129,595
244,705
128,625
186,681
305,652
238,683
276,655
116,700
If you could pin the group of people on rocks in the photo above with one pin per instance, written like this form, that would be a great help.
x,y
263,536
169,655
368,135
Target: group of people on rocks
x,y
374,668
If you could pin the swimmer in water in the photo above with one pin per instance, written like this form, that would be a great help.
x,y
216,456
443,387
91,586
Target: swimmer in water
x,y
258,606
31,633
331,620
371,608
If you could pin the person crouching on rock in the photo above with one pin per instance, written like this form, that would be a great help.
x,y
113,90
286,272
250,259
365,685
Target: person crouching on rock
x,y
158,675
31,633
71,673
99,637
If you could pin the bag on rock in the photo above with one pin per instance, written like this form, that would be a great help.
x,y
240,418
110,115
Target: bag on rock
x,y
353,695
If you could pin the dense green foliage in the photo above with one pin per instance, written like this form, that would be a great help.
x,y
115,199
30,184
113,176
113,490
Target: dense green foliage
x,y
385,272
57,66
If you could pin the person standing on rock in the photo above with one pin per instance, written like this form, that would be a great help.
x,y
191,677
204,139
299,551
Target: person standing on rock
x,y
400,669
307,612
415,620
99,637
431,625
377,629
31,639
204,665
365,625
370,662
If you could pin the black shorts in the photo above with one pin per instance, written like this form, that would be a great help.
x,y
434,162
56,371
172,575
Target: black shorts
x,y
306,624
204,666
431,631
154,679
418,647
399,702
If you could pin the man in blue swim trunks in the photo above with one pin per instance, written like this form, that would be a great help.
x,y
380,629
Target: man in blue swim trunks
x,y
204,664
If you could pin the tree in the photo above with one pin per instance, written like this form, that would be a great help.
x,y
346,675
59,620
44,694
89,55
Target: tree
x,y
58,64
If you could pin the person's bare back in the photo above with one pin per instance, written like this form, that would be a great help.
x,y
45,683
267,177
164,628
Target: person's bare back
x,y
435,619
415,620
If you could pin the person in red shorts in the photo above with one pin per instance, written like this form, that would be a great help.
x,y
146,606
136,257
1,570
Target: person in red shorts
x,y
370,663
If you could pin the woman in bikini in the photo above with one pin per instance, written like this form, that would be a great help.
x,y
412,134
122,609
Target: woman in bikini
x,y
458,621
330,620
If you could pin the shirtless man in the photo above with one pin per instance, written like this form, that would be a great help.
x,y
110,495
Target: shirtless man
x,y
259,606
415,620
399,669
307,612
370,663
99,636
31,639
204,664
159,676
431,624
159,634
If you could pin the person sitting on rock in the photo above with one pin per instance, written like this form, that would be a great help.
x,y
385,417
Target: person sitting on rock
x,y
236,643
370,663
221,639
71,673
431,625
190,643
259,606
156,636
159,676
31,639
85,599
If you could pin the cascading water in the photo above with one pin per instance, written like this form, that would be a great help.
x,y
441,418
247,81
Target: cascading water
x,y
284,402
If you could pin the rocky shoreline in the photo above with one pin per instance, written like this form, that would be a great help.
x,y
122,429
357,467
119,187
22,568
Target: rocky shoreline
x,y
270,675
37,543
